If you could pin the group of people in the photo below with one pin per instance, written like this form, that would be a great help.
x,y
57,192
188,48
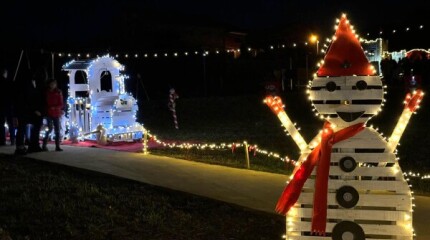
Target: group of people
x,y
411,72
26,102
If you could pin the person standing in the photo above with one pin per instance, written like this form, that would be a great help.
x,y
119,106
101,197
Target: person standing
x,y
54,111
36,102
21,110
6,108
29,109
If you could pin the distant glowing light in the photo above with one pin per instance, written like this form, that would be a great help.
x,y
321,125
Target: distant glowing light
x,y
313,38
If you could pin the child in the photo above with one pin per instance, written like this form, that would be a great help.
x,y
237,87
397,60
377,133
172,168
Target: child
x,y
54,103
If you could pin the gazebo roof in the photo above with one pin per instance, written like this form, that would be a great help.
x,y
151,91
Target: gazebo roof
x,y
78,65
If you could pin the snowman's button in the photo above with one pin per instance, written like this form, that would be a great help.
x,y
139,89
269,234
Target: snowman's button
x,y
361,85
347,196
331,86
347,164
347,230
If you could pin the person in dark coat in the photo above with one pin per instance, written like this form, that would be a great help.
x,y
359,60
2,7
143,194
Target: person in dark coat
x,y
30,106
6,108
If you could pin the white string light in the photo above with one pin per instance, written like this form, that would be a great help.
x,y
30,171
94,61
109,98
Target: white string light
x,y
220,146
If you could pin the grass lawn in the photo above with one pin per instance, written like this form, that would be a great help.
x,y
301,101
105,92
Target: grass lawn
x,y
235,119
40,200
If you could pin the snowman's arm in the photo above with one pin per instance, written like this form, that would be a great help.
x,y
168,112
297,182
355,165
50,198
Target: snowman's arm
x,y
293,131
412,102
304,155
275,104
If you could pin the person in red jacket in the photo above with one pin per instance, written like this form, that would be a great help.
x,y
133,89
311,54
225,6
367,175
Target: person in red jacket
x,y
54,103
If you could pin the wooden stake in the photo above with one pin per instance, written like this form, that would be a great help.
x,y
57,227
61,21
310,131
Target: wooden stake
x,y
145,142
245,144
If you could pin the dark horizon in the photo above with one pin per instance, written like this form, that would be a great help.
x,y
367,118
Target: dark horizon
x,y
147,24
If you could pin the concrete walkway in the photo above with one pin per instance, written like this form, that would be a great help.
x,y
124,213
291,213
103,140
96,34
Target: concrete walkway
x,y
252,189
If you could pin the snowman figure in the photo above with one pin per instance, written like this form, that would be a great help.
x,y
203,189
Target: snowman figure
x,y
347,184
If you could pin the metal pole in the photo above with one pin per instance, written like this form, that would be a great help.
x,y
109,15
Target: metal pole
x,y
204,75
245,144
291,72
307,71
317,46
137,88
52,66
19,63
282,80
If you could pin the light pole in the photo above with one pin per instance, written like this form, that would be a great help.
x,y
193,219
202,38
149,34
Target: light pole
x,y
318,42
314,39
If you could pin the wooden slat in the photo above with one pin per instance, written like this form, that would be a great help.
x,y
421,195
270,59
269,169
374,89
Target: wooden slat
x,y
329,238
361,143
374,229
368,133
397,186
370,80
365,157
366,171
307,238
368,138
331,109
374,215
348,80
400,202
342,94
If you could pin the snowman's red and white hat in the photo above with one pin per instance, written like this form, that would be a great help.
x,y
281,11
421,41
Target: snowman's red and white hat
x,y
345,56
346,90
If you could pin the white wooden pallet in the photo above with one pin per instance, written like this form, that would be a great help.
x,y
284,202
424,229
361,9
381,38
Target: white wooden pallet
x,y
384,207
369,229
400,202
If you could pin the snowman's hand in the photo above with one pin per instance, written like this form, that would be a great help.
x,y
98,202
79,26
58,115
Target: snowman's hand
x,y
276,105
412,101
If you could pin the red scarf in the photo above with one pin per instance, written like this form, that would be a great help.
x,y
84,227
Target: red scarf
x,y
320,155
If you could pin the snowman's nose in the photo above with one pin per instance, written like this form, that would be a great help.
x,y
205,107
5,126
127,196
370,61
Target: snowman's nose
x,y
346,102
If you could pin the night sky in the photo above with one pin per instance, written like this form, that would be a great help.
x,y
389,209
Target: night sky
x,y
66,23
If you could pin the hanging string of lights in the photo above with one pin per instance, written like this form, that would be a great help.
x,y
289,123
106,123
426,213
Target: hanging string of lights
x,y
151,54
252,148
397,31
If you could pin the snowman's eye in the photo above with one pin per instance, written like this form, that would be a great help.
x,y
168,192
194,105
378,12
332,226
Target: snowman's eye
x,y
331,86
361,85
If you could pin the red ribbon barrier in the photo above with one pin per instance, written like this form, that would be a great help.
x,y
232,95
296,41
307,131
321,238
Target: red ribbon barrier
x,y
320,155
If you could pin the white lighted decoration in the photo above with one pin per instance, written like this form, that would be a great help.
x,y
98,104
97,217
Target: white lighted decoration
x,y
97,98
276,105
366,195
